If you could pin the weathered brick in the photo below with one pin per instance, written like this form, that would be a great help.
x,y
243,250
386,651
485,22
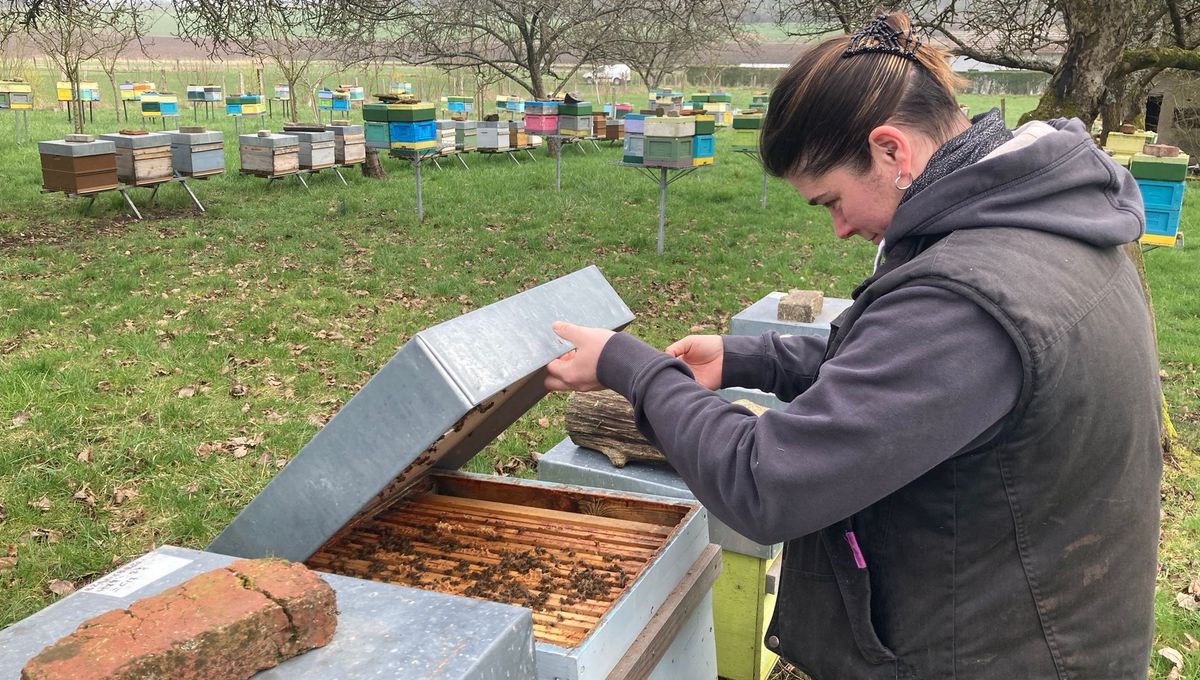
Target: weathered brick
x,y
226,623
800,305
1161,150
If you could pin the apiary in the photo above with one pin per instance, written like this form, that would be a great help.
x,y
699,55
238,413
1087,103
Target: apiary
x,y
134,91
197,152
399,88
465,135
609,577
349,144
270,155
614,130
383,630
705,124
244,105
283,91
316,148
142,157
78,167
599,125
16,94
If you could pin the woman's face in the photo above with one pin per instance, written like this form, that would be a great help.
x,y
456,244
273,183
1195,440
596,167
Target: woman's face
x,y
860,205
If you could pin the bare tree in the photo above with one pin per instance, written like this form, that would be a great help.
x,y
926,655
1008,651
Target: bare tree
x,y
70,32
657,39
521,40
293,36
1102,55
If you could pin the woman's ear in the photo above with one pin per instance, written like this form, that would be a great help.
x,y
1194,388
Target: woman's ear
x,y
891,149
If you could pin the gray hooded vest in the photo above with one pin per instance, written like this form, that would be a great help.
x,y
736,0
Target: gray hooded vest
x,y
1028,553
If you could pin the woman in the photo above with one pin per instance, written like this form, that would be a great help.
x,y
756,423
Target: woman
x,y
966,476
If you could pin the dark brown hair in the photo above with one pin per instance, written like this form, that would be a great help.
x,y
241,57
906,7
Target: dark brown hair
x,y
824,108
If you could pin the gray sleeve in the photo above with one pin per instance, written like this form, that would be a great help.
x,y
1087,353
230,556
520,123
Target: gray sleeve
x,y
922,374
783,365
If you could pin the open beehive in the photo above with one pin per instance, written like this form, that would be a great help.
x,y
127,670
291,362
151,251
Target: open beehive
x,y
568,555
363,498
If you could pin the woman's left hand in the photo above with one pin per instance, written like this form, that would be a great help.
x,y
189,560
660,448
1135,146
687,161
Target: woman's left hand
x,y
576,370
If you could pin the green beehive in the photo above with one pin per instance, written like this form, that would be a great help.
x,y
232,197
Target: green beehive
x,y
667,152
705,124
1169,169
747,121
745,140
720,97
577,109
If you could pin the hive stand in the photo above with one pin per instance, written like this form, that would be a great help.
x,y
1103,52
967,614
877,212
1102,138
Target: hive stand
x,y
664,177
201,103
762,199
20,126
237,120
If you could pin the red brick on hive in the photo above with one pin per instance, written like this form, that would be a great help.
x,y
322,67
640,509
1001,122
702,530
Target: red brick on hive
x,y
228,623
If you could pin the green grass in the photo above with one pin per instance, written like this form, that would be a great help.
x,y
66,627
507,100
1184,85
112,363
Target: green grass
x,y
123,344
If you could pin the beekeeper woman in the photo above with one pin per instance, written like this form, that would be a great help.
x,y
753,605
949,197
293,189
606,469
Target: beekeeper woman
x,y
966,476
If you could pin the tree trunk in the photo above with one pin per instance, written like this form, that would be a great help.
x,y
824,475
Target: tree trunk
x,y
1133,251
1097,32
372,167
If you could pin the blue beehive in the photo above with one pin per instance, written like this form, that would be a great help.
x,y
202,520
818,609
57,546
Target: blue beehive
x,y
421,131
702,146
1163,201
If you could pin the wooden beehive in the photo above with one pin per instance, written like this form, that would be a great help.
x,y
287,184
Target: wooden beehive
x,y
349,144
78,167
274,155
197,154
143,158
568,555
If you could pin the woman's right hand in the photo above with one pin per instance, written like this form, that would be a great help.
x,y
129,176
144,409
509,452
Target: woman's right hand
x,y
704,354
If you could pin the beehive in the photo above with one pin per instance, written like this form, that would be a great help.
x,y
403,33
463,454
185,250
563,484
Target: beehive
x,y
159,104
575,109
361,499
407,113
574,126
599,125
492,135
349,144
274,155
705,124
283,92
16,94
669,126
703,148
316,148
667,152
633,149
197,154
78,167
465,135
142,158
614,130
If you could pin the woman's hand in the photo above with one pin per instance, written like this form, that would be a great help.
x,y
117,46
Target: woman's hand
x,y
576,370
704,354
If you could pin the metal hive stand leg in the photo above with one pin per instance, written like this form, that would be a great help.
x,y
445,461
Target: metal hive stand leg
x,y
129,200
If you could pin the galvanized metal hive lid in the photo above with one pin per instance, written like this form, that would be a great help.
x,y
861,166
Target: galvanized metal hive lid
x,y
61,147
143,141
439,400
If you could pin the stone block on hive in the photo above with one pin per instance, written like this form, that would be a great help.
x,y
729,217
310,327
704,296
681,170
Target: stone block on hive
x,y
801,305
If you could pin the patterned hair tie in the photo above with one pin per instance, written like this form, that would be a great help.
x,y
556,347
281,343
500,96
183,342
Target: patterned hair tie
x,y
879,36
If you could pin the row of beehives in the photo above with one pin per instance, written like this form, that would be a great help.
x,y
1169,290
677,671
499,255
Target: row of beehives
x,y
82,164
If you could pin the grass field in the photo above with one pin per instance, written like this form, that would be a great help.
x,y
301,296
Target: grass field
x,y
154,375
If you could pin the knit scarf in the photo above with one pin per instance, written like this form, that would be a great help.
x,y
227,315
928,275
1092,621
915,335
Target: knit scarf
x,y
987,132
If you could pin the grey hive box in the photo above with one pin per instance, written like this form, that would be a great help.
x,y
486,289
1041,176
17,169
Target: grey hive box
x,y
364,499
198,154
271,156
316,149
762,316
383,631
59,147
142,159
349,144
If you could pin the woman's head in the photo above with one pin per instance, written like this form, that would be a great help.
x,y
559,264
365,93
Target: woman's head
x,y
862,107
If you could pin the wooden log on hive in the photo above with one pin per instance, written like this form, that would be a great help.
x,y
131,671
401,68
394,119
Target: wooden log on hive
x,y
604,421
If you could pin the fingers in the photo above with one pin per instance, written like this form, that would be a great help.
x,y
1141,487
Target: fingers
x,y
680,347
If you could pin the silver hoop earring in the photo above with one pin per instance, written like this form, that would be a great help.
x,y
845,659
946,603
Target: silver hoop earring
x,y
899,174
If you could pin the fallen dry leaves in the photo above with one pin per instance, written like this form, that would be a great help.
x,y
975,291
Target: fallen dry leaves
x,y
238,447
60,587
42,504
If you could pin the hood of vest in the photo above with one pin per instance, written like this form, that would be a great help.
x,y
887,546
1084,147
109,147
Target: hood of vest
x,y
1052,180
